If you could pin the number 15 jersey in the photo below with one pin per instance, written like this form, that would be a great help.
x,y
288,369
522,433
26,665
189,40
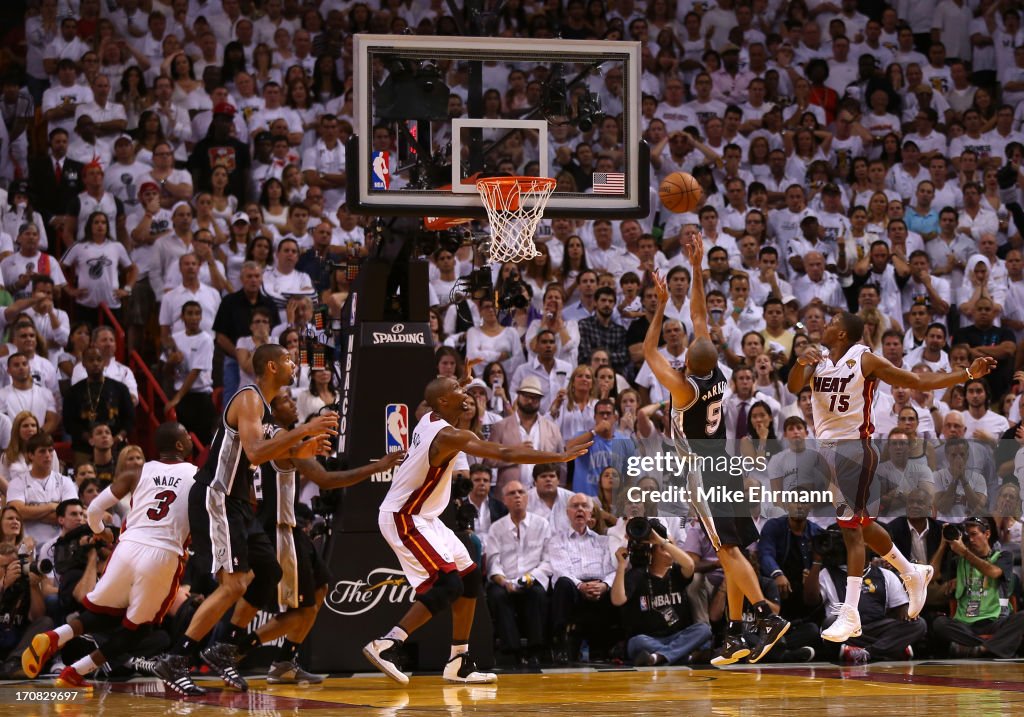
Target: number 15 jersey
x,y
158,516
841,397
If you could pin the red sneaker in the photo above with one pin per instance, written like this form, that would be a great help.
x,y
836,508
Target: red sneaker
x,y
44,646
69,678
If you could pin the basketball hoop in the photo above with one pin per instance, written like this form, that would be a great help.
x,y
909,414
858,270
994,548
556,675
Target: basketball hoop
x,y
439,224
514,207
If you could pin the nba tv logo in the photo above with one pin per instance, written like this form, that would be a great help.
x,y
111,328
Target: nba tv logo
x,y
396,422
380,171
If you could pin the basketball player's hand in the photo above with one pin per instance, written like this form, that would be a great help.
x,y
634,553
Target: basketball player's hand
x,y
575,450
325,423
983,365
391,460
812,356
317,446
660,287
695,251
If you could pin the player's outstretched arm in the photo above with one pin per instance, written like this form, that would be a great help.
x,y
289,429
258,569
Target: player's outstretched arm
x,y
801,373
674,381
698,302
328,480
248,414
452,440
880,368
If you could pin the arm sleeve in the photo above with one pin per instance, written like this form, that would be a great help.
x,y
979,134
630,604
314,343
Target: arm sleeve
x,y
100,504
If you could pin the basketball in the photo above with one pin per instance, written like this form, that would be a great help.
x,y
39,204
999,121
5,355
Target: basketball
x,y
680,192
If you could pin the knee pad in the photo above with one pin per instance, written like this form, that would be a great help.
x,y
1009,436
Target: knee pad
x,y
447,588
472,582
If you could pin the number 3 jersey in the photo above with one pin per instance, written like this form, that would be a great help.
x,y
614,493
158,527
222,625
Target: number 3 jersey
x,y
841,397
702,419
158,512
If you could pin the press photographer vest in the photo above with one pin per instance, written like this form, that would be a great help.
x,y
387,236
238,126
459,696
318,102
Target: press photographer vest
x,y
873,598
979,597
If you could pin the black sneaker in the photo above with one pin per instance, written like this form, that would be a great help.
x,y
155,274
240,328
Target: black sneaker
x,y
223,658
461,669
770,630
174,672
384,653
734,649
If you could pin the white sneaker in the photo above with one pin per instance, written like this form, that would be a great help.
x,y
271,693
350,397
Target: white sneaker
x,y
383,654
462,669
916,583
847,625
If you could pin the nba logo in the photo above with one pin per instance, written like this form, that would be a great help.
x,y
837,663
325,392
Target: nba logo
x,y
396,417
381,171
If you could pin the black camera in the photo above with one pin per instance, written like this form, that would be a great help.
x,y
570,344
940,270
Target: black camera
x,y
462,486
513,296
638,532
952,531
465,516
69,552
830,546
36,567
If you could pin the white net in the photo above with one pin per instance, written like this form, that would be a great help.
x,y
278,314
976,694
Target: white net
x,y
514,207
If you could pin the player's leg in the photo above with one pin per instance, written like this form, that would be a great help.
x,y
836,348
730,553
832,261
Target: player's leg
x,y
460,667
47,644
847,623
734,648
229,647
430,571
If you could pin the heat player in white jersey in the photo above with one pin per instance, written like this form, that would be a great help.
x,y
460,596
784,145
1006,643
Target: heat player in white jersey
x,y
434,560
143,573
842,380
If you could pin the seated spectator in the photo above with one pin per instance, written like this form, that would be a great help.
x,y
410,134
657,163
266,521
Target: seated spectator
x,y
785,549
547,499
103,456
22,611
24,394
887,634
653,598
190,363
14,460
488,510
41,370
917,535
959,490
526,424
982,587
37,492
582,572
898,475
708,573
99,398
12,532
519,571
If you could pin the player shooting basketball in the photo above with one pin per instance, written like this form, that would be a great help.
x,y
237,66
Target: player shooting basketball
x,y
842,389
697,397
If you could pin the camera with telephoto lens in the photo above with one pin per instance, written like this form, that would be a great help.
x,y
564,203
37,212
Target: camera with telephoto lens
x,y
36,567
69,552
952,531
638,533
830,546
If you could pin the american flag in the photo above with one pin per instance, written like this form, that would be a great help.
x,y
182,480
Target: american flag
x,y
609,183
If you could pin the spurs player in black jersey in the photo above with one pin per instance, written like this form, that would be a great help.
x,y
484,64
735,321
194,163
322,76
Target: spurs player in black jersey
x,y
305,577
697,397
227,539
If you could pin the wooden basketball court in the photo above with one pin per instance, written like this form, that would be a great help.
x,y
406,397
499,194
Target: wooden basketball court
x,y
975,688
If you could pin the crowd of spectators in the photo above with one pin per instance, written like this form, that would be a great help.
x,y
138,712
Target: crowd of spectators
x,y
182,165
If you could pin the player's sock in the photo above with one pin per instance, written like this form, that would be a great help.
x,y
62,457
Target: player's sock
x,y
397,633
459,648
287,651
64,633
224,631
186,646
896,559
762,610
735,627
247,642
853,586
84,666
